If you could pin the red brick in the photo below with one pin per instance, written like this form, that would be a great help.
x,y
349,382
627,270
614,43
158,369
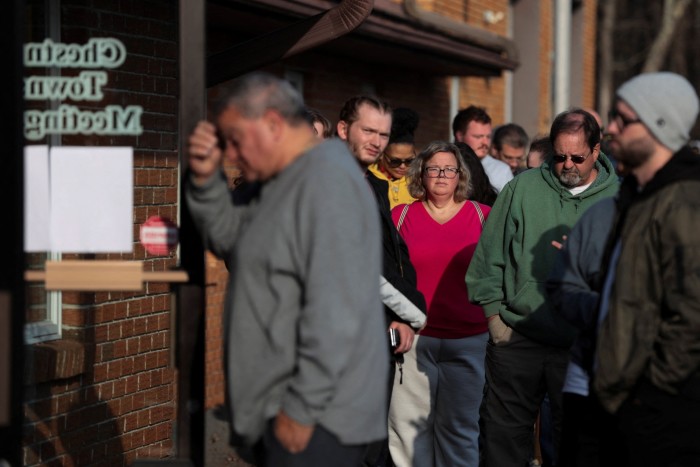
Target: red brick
x,y
114,331
143,418
31,455
127,404
145,343
144,381
132,384
139,362
130,422
150,436
163,431
99,372
151,360
115,369
121,310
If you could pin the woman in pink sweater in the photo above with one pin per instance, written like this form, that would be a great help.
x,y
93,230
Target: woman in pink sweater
x,y
434,414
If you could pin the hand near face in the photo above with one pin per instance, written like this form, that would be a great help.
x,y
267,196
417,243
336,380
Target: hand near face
x,y
204,151
292,435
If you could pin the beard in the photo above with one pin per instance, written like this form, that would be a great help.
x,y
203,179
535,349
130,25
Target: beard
x,y
635,153
570,178
482,151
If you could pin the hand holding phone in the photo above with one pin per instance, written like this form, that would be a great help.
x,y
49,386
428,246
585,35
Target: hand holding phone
x,y
394,338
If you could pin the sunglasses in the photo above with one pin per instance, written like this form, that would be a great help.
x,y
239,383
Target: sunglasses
x,y
558,158
395,163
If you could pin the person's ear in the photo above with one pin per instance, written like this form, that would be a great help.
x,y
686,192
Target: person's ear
x,y
342,128
274,122
596,152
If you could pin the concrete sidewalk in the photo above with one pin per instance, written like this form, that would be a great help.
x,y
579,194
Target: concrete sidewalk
x,y
218,451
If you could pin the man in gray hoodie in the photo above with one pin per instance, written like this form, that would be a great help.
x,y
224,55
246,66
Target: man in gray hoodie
x,y
306,356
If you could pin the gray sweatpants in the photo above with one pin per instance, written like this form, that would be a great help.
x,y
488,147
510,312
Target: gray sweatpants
x,y
434,414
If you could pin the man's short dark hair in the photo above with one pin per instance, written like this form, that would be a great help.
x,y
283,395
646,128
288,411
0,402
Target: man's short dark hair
x,y
542,145
468,115
313,115
481,189
511,134
573,121
349,112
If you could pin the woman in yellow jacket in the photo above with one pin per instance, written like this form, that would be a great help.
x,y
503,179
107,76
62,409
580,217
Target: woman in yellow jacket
x,y
393,164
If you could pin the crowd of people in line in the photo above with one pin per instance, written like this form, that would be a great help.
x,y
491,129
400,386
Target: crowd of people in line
x,y
396,305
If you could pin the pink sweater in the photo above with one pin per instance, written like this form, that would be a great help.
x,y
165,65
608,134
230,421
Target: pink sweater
x,y
441,254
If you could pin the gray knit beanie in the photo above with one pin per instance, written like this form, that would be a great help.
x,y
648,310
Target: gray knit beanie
x,y
666,103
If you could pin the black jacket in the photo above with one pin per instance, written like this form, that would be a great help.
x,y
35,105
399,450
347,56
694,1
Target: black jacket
x,y
651,329
396,265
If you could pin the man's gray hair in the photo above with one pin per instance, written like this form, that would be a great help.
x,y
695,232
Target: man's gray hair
x,y
256,93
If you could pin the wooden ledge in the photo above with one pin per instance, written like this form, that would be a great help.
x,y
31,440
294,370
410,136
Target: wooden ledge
x,y
85,276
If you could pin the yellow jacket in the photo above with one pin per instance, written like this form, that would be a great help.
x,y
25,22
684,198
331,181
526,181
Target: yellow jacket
x,y
398,189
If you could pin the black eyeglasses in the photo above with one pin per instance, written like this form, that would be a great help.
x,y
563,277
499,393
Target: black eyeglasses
x,y
447,172
395,162
620,120
575,159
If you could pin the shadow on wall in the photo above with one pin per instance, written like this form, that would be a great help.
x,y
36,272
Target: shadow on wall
x,y
68,420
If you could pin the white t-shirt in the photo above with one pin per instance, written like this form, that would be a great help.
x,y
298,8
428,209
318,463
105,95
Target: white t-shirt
x,y
499,172
577,190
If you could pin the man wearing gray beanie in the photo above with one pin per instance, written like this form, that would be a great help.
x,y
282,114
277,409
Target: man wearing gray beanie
x,y
647,355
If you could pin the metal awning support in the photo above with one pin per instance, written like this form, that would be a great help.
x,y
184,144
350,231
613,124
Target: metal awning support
x,y
12,301
189,337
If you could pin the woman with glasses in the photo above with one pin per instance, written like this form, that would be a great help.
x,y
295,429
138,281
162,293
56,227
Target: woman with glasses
x,y
393,163
434,413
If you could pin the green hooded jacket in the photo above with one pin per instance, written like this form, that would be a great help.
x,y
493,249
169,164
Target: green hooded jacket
x,y
515,255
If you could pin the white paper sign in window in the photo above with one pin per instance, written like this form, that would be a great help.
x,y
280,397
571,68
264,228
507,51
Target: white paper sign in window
x,y
90,200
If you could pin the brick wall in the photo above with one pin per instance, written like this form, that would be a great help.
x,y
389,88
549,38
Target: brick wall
x,y
216,279
590,32
546,51
483,92
104,394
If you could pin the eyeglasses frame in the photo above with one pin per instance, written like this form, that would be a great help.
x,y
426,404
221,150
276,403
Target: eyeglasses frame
x,y
620,120
454,171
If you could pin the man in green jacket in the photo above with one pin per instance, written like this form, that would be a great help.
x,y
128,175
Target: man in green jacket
x,y
527,354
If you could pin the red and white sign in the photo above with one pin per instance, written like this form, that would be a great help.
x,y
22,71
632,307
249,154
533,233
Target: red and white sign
x,y
159,236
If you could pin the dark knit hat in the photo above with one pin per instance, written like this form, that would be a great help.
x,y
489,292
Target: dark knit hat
x,y
403,125
666,103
